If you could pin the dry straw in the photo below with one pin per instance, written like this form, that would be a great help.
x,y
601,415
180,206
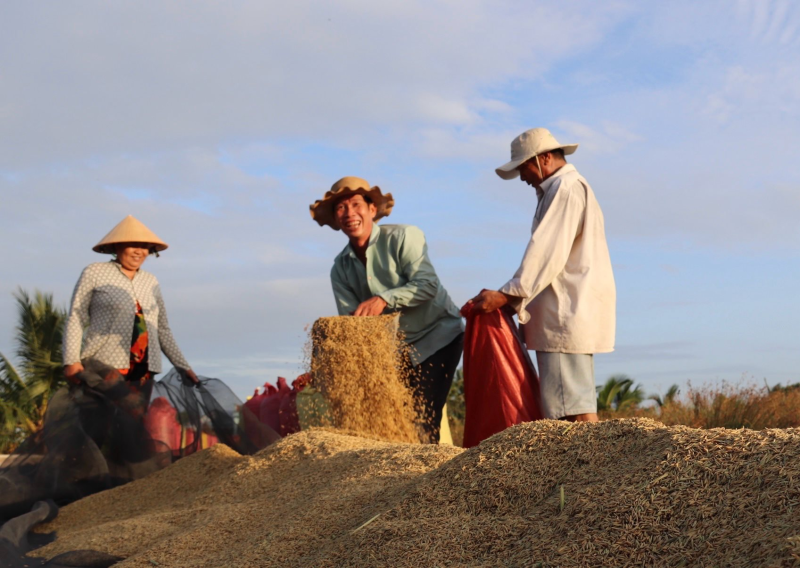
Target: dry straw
x,y
635,492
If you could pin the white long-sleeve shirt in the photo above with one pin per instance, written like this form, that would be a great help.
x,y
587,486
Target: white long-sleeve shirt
x,y
565,278
104,300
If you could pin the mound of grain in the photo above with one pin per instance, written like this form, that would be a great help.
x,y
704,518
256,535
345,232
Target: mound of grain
x,y
617,493
280,507
359,363
634,493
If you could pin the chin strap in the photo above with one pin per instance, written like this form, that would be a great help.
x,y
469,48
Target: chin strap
x,y
539,166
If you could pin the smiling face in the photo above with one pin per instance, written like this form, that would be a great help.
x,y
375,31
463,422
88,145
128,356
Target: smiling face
x,y
132,255
355,215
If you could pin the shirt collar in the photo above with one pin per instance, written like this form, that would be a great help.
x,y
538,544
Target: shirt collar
x,y
547,184
119,267
373,238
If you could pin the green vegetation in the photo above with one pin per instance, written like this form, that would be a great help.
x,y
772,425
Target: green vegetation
x,y
619,394
25,389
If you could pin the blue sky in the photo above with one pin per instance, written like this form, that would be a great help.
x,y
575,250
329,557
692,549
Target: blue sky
x,y
217,124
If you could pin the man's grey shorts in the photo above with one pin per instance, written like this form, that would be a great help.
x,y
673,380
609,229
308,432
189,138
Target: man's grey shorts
x,y
567,384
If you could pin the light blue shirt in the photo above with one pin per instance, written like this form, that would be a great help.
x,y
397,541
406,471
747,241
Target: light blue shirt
x,y
399,271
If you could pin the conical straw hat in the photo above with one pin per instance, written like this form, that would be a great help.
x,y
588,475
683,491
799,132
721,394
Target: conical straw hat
x,y
129,230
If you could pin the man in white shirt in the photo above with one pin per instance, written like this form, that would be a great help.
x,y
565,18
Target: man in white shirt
x,y
563,291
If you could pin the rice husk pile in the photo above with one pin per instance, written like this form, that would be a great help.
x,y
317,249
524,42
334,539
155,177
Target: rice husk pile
x,y
617,493
360,365
282,507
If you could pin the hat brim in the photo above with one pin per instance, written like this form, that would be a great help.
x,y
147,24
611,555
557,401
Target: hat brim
x,y
322,209
509,170
129,230
111,248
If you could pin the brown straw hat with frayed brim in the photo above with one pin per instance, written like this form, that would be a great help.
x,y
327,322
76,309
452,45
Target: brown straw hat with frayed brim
x,y
129,230
322,209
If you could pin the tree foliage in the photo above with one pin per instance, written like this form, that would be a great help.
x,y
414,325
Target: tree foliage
x,y
619,394
669,397
25,389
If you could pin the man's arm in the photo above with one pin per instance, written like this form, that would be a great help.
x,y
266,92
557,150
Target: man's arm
x,y
345,297
413,262
548,250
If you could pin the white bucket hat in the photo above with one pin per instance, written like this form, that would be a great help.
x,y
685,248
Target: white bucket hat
x,y
529,144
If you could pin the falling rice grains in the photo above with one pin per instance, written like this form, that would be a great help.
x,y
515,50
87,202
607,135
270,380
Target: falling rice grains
x,y
360,365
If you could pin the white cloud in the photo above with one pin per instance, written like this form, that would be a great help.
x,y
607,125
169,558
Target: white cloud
x,y
87,78
610,138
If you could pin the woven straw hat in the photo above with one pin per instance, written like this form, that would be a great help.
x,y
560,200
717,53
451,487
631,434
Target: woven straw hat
x,y
529,144
129,230
322,209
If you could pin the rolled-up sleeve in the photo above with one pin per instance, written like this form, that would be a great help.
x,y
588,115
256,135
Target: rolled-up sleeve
x,y
422,283
168,344
548,250
78,317
345,296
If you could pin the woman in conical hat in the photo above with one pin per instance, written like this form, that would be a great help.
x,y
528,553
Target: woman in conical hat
x,y
102,429
122,307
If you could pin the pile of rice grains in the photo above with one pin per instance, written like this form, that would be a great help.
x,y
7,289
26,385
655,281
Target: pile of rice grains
x,y
617,493
361,366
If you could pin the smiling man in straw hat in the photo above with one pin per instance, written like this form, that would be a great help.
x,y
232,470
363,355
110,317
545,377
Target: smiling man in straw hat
x,y
385,269
563,291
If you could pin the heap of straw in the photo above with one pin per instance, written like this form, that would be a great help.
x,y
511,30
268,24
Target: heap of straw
x,y
360,364
548,493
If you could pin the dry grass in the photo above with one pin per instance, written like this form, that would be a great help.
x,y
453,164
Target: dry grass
x,y
548,493
726,406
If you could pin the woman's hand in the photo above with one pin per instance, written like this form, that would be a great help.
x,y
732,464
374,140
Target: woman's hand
x,y
192,376
70,372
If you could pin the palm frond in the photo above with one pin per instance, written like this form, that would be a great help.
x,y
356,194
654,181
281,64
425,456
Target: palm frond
x,y
25,388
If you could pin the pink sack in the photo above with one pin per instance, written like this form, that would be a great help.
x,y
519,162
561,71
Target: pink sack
x,y
161,422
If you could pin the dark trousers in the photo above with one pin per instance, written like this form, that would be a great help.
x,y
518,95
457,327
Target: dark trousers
x,y
431,382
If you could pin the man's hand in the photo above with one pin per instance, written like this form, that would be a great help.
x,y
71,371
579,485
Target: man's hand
x,y
372,307
70,372
488,301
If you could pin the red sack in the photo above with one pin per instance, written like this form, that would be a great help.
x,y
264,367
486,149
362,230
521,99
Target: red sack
x,y
251,410
289,418
501,386
270,411
161,422
254,402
